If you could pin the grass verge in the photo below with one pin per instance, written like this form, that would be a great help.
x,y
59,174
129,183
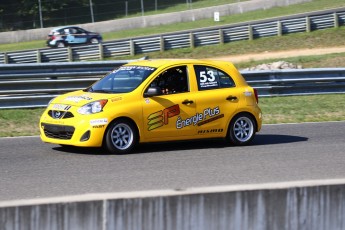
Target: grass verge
x,y
290,109
315,5
317,39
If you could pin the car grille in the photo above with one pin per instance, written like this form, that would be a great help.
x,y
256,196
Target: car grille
x,y
58,131
56,114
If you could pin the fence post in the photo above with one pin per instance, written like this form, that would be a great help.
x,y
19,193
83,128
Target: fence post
x,y
307,24
221,37
131,47
161,45
250,32
279,28
191,39
5,58
101,51
39,58
70,54
336,20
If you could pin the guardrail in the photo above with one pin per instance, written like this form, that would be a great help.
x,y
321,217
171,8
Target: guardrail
x,y
183,39
34,85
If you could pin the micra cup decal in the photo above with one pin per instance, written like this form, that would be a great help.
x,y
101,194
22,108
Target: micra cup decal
x,y
102,121
76,99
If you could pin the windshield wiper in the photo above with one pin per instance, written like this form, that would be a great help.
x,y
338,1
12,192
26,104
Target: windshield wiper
x,y
101,91
89,89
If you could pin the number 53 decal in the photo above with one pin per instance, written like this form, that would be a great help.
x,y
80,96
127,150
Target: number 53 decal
x,y
207,77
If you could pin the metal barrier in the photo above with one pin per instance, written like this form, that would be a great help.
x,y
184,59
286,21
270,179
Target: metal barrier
x,y
34,85
297,82
184,39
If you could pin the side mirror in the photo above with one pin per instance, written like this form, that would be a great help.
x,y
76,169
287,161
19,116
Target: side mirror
x,y
153,91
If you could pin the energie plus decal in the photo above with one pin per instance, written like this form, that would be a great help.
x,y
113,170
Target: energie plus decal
x,y
161,117
208,115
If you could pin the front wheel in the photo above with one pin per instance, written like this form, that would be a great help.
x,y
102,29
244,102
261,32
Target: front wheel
x,y
121,137
242,129
94,41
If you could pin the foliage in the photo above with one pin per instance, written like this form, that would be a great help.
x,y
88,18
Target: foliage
x,y
25,13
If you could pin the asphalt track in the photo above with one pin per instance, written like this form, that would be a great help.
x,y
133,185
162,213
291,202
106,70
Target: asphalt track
x,y
279,153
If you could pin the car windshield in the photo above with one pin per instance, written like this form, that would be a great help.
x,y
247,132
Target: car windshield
x,y
122,80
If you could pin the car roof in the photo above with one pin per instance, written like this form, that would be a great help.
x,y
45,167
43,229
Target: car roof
x,y
64,27
157,63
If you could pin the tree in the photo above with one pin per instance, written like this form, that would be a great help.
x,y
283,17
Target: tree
x,y
25,13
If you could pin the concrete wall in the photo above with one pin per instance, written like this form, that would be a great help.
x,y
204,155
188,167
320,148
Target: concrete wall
x,y
294,205
154,20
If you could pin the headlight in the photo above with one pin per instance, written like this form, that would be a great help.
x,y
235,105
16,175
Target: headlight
x,y
93,107
51,100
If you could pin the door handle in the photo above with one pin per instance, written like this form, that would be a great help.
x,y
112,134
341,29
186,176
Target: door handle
x,y
187,102
231,98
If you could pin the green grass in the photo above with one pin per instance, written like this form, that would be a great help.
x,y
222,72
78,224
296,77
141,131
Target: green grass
x,y
315,5
182,7
295,109
317,61
249,16
317,39
290,109
19,122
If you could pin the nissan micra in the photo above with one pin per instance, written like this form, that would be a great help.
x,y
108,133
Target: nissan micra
x,y
154,101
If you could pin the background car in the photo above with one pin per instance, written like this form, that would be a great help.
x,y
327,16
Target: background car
x,y
72,35
156,100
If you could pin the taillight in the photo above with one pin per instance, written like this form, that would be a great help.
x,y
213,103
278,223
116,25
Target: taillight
x,y
256,96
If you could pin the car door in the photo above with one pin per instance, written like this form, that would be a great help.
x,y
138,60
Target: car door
x,y
217,100
75,36
80,36
169,116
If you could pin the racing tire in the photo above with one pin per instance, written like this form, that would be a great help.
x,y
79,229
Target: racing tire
x,y
242,129
121,137
60,44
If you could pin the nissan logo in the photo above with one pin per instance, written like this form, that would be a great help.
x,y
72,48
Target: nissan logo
x,y
56,114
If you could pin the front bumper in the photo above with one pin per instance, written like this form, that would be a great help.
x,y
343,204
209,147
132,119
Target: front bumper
x,y
84,130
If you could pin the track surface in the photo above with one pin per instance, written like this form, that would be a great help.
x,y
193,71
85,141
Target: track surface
x,y
290,152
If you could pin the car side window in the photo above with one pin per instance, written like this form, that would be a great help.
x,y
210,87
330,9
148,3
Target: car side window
x,y
78,31
172,81
212,78
73,31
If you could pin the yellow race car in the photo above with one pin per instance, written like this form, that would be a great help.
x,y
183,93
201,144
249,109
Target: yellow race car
x,y
156,100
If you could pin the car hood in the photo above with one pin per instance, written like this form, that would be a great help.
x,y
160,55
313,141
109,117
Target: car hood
x,y
80,98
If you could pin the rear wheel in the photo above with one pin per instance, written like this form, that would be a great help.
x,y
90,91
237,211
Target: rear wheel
x,y
121,137
242,129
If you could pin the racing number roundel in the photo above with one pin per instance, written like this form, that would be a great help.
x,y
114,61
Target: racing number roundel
x,y
207,78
